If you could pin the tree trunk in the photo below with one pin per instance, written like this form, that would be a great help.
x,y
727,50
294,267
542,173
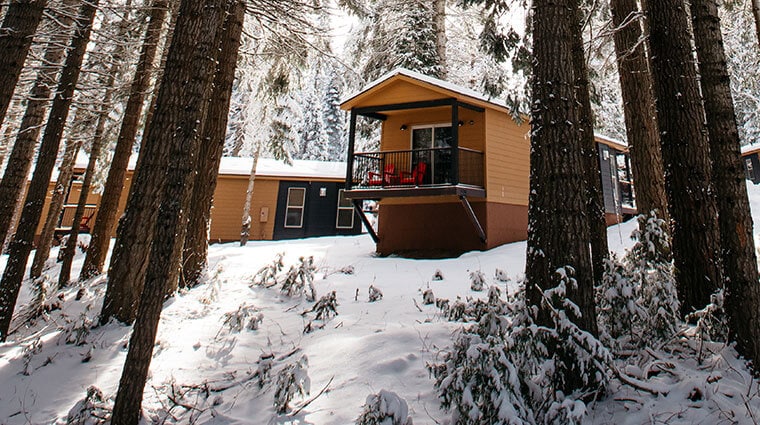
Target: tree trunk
x,y
135,231
195,252
35,197
19,25
685,154
109,202
735,220
595,208
638,108
756,13
440,36
245,230
180,109
20,161
558,233
60,193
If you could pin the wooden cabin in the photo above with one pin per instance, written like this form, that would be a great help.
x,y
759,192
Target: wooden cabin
x,y
751,159
452,171
289,201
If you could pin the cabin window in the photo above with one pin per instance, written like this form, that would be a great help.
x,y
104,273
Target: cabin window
x,y
431,136
295,206
748,169
345,219
430,145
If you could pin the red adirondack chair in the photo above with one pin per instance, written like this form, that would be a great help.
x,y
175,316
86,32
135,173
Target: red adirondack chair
x,y
416,176
388,176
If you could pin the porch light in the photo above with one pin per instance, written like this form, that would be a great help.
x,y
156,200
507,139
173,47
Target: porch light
x,y
403,127
461,123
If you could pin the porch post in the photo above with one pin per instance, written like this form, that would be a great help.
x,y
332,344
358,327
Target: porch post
x,y
454,142
350,156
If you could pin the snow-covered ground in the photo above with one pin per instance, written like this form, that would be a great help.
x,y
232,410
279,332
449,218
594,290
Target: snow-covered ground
x,y
204,371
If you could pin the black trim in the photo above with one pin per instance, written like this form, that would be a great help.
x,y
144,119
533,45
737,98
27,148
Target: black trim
x,y
405,192
473,218
358,207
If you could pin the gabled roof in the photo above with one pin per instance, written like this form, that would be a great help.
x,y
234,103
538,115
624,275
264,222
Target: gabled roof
x,y
445,88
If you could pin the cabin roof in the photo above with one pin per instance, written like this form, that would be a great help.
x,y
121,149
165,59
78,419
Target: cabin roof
x,y
751,148
445,88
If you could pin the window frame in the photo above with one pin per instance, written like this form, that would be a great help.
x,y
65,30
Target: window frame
x,y
288,208
337,215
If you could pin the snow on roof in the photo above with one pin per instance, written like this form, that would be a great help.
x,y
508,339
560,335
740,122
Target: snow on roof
x,y
752,147
611,140
270,167
430,80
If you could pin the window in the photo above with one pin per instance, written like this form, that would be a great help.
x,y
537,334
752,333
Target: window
x,y
748,169
345,219
295,206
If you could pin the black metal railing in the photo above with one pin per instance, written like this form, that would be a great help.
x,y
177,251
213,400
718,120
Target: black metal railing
x,y
417,168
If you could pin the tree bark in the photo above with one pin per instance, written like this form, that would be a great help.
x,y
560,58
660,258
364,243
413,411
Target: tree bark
x,y
756,13
135,231
195,252
245,228
60,193
35,197
180,109
595,207
20,161
558,233
19,25
638,108
114,186
440,36
735,220
685,154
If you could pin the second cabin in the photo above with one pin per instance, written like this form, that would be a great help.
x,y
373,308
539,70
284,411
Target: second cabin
x,y
453,167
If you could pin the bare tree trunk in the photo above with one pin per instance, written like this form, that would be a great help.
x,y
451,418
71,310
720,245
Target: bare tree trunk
x,y
685,154
738,247
20,23
245,230
109,202
595,208
440,36
180,109
756,13
195,252
638,107
35,197
20,161
558,227
135,232
61,192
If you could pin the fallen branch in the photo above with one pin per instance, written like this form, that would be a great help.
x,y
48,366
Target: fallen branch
x,y
308,402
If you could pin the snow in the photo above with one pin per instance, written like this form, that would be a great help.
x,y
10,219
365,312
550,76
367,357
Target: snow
x,y
269,167
369,348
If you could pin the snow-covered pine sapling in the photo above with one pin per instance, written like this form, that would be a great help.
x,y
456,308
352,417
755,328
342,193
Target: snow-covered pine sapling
x,y
28,354
477,280
326,307
265,367
91,410
384,408
348,270
374,294
438,275
712,321
77,331
292,380
255,321
267,275
617,303
235,321
40,287
501,275
300,279
428,297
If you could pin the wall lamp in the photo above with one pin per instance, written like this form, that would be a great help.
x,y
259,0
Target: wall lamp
x,y
403,127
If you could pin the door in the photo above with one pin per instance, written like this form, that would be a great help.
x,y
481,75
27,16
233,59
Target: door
x,y
430,144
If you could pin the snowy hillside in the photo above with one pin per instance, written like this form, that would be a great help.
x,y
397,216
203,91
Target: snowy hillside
x,y
215,342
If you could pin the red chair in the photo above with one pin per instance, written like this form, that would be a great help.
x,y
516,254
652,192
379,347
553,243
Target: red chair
x,y
416,176
387,177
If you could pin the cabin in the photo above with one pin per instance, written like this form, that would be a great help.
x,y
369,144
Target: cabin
x,y
453,166
751,160
304,199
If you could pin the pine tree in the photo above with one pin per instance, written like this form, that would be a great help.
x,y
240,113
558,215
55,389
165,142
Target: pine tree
x,y
30,216
20,23
180,108
638,106
685,154
734,218
103,228
558,196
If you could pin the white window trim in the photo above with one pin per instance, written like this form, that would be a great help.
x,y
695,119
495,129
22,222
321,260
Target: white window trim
x,y
288,207
337,216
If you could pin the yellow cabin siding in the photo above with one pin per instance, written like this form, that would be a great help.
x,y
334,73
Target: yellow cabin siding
x,y
507,160
227,212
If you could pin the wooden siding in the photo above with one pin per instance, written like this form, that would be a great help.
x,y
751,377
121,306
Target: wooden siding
x,y
507,161
227,212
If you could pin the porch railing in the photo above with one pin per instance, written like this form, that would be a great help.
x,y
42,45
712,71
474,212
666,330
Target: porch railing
x,y
417,168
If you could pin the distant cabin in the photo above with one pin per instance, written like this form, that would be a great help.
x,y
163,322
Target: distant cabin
x,y
304,199
452,171
751,160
